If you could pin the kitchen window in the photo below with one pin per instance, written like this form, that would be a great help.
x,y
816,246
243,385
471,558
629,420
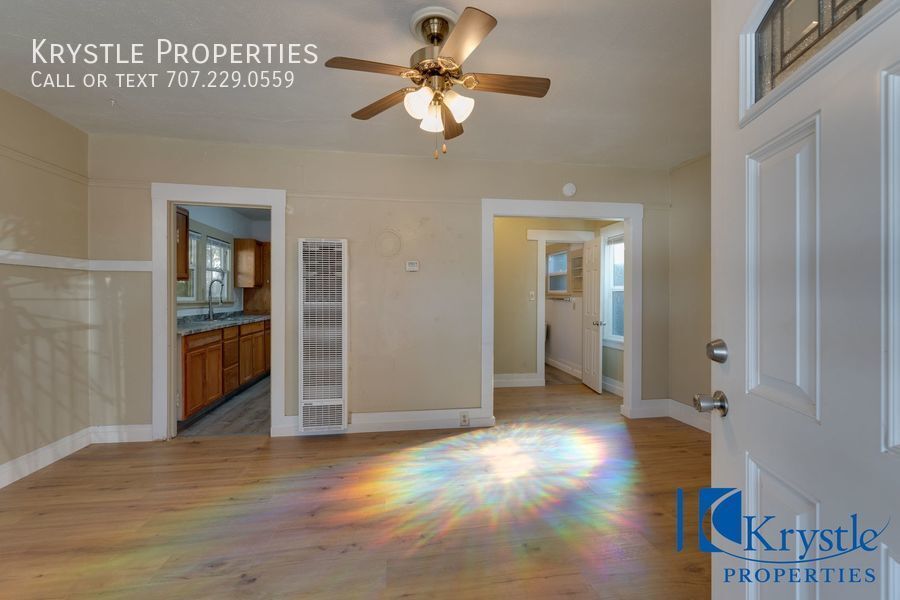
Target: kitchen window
x,y
186,291
218,267
614,290
217,256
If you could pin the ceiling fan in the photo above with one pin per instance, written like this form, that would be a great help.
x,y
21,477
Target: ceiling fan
x,y
435,69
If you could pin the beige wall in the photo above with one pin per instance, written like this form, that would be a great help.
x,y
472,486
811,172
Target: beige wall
x,y
120,367
614,363
415,337
689,288
44,312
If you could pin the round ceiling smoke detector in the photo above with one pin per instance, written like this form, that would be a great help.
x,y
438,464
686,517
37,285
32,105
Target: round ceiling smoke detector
x,y
432,24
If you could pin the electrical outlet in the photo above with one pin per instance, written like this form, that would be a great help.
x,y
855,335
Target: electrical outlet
x,y
463,419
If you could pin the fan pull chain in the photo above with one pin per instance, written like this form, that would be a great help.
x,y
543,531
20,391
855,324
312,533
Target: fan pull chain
x,y
436,155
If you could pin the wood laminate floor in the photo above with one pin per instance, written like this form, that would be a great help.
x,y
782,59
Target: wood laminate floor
x,y
554,376
245,414
562,498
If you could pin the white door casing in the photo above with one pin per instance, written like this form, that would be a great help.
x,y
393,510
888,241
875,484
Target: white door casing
x,y
797,290
592,352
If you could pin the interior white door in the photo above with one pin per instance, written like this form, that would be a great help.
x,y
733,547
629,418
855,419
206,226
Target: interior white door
x,y
592,355
798,259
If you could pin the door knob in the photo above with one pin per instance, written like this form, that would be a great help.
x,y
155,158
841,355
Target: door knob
x,y
599,323
717,351
706,403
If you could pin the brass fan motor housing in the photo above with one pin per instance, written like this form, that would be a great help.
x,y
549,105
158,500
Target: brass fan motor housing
x,y
435,30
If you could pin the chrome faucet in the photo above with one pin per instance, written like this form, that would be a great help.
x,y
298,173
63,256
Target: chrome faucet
x,y
212,315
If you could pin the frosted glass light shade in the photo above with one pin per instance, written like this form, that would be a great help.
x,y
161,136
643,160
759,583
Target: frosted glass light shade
x,y
460,106
416,103
432,121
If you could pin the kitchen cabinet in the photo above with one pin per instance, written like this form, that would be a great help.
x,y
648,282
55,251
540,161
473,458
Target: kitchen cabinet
x,y
246,359
248,263
268,342
194,377
231,378
252,351
217,363
259,354
213,382
202,371
258,300
182,244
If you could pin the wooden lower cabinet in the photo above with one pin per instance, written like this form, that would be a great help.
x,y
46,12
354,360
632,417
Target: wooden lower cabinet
x,y
216,363
213,389
231,378
259,354
246,362
194,377
268,342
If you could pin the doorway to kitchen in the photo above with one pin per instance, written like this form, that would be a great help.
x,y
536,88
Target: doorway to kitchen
x,y
222,295
185,394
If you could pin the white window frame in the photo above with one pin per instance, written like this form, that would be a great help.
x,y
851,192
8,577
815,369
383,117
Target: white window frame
x,y
227,273
558,273
196,237
612,233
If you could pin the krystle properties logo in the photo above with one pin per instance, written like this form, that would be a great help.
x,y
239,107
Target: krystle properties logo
x,y
777,554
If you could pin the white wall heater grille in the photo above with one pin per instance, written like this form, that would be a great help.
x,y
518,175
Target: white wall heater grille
x,y
323,335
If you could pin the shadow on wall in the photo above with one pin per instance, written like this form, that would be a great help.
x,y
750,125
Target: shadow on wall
x,y
44,352
120,340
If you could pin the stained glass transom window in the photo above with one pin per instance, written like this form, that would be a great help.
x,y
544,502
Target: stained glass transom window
x,y
794,30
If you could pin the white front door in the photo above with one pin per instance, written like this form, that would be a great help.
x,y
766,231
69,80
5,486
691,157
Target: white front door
x,y
592,355
798,259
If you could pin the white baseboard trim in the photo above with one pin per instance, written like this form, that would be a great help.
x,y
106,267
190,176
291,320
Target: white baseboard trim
x,y
409,420
114,434
506,380
667,407
36,460
573,370
445,423
647,409
687,414
613,385
44,456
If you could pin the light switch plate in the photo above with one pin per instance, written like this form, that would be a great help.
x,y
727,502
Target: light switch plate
x,y
412,266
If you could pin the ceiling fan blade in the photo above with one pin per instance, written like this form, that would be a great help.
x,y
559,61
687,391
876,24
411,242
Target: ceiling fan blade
x,y
381,105
472,27
536,87
368,66
452,129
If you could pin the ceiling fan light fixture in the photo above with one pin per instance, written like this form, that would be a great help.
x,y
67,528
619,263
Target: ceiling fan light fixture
x,y
432,121
461,106
416,103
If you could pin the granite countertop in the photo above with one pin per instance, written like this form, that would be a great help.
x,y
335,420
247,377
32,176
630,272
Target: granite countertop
x,y
199,324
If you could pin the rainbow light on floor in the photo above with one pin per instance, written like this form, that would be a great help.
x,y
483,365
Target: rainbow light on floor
x,y
506,475
517,487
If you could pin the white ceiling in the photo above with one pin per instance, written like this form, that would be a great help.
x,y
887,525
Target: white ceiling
x,y
630,78
254,214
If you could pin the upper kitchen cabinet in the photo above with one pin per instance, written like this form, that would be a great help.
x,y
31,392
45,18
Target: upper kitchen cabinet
x,y
258,300
182,244
248,263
